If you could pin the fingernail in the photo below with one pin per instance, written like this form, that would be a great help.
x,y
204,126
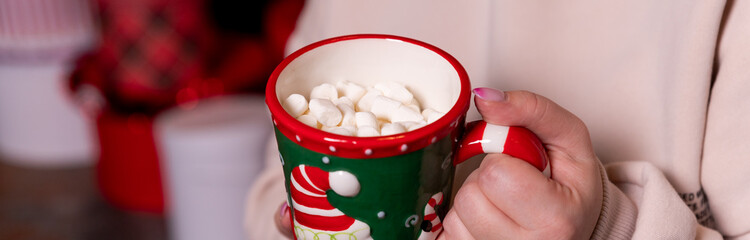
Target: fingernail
x,y
284,209
490,94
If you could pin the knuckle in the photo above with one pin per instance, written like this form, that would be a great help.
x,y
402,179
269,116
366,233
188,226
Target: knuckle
x,y
488,173
450,223
465,195
539,102
561,225
537,105
495,168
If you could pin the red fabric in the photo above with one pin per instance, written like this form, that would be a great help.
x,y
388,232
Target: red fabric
x,y
128,170
150,50
279,22
154,54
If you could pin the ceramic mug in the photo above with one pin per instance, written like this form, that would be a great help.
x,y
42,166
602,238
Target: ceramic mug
x,y
386,187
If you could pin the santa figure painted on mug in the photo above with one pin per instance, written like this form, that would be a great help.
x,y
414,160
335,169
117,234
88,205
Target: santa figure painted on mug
x,y
316,218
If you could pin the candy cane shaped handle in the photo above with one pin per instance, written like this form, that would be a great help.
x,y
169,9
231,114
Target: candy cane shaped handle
x,y
518,142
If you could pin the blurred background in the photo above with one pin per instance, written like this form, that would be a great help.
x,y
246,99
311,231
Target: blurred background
x,y
137,119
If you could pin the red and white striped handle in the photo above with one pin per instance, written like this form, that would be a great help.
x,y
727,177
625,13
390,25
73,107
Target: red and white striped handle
x,y
518,142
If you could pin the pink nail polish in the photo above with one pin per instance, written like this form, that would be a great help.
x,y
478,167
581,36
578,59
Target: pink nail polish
x,y
490,94
284,209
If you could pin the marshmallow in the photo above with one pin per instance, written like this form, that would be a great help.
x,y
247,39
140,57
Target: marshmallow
x,y
414,107
344,101
405,114
351,90
295,105
348,113
431,115
308,120
384,107
367,131
391,128
416,126
352,129
365,103
340,130
381,122
409,125
395,91
414,104
365,119
325,111
324,91
348,120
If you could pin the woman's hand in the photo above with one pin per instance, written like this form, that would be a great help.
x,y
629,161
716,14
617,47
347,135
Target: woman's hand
x,y
507,198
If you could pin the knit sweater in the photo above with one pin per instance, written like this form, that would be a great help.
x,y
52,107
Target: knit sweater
x,y
660,84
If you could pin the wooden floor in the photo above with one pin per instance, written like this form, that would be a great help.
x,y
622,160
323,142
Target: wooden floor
x,y
64,204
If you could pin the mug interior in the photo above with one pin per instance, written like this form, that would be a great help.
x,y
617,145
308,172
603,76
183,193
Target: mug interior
x,y
433,81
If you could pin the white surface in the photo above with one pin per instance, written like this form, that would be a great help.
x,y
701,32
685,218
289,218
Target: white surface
x,y
40,126
211,155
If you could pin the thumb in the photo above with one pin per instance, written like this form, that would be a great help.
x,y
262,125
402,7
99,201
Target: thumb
x,y
558,129
572,159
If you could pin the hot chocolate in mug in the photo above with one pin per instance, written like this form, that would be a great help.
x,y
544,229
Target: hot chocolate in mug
x,y
384,187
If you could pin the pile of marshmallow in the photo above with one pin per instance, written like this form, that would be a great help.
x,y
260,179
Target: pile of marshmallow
x,y
352,110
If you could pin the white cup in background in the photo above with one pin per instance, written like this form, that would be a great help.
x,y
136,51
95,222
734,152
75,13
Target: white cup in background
x,y
211,154
40,124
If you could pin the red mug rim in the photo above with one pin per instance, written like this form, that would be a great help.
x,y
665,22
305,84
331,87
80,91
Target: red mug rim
x,y
367,147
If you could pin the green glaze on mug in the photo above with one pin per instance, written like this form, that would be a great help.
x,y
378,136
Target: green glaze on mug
x,y
398,186
384,187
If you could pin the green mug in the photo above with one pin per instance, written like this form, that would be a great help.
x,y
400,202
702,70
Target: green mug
x,y
386,187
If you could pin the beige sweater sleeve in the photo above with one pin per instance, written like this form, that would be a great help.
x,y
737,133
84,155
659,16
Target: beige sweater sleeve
x,y
639,203
618,214
724,168
724,164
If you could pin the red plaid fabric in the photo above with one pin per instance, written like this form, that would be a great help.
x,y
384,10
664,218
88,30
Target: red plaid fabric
x,y
150,48
157,53
153,54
